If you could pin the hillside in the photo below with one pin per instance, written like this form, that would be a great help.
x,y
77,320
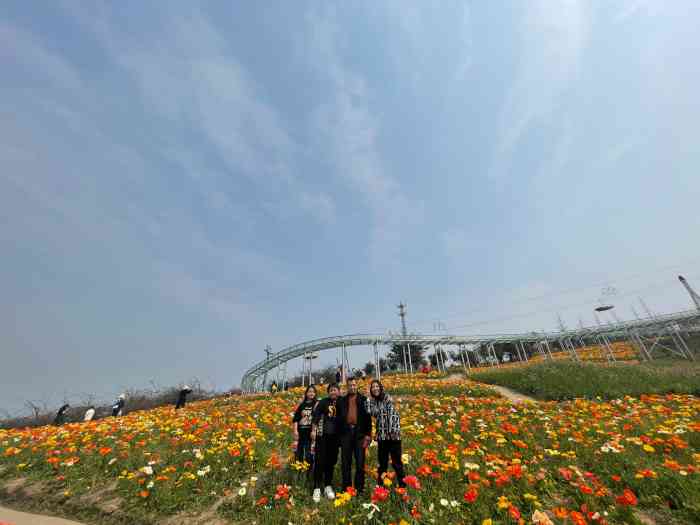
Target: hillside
x,y
473,458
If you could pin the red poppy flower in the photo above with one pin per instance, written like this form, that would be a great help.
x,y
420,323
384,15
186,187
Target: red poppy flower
x,y
412,482
471,495
379,494
627,498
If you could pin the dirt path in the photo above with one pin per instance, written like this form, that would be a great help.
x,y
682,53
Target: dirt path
x,y
512,395
13,517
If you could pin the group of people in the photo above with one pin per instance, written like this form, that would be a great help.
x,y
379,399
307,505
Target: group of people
x,y
343,423
117,407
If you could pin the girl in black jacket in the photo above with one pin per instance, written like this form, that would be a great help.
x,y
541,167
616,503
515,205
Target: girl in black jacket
x,y
301,423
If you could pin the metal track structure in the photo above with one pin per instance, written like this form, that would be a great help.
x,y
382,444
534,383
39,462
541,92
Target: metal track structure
x,y
669,331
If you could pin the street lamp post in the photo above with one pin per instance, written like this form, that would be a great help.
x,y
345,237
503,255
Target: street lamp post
x,y
309,358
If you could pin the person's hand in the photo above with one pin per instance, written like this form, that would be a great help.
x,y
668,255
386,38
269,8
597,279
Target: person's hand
x,y
366,441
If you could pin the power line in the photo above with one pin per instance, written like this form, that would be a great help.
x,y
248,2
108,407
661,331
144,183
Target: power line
x,y
565,291
559,308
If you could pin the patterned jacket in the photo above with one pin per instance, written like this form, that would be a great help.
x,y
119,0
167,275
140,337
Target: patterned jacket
x,y
388,419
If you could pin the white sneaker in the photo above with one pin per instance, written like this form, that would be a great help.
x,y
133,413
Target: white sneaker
x,y
329,492
317,495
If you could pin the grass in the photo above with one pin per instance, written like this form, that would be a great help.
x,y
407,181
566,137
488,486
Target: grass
x,y
568,379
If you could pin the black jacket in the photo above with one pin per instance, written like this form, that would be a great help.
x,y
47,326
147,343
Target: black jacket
x,y
303,415
364,420
325,416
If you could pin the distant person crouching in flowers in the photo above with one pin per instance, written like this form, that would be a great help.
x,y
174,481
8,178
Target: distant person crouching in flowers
x,y
118,405
89,414
388,431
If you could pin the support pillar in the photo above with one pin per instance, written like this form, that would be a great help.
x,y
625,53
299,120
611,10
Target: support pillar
x,y
641,347
681,345
405,362
377,366
343,365
522,347
461,355
491,352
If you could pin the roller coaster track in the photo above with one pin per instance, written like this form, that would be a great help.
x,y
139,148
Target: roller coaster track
x,y
643,334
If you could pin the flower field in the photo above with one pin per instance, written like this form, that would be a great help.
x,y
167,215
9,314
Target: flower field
x,y
472,457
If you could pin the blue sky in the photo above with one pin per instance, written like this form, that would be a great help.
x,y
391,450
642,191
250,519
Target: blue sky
x,y
182,184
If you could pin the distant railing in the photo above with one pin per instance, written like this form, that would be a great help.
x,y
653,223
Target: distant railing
x,y
604,335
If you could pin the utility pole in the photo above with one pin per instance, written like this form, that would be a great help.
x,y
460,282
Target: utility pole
x,y
404,333
560,323
693,295
402,315
268,351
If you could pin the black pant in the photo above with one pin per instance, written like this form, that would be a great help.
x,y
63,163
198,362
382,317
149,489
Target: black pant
x,y
326,458
303,452
181,400
391,448
351,447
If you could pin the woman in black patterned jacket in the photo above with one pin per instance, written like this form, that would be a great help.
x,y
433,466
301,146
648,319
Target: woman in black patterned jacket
x,y
388,433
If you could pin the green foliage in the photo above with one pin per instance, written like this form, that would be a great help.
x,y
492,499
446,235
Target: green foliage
x,y
395,355
568,379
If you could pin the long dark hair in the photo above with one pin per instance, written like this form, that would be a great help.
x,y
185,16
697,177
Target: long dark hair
x,y
380,397
306,392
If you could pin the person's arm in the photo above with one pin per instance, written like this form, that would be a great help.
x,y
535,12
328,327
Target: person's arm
x,y
317,414
369,426
389,402
295,422
365,420
372,407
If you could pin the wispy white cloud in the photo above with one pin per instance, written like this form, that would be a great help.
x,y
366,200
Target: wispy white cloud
x,y
553,37
351,132
76,192
188,75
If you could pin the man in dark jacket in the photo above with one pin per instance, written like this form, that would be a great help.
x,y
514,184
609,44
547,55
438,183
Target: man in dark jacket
x,y
355,435
118,405
182,397
61,415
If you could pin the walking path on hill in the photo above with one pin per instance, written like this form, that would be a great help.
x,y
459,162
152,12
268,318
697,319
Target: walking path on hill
x,y
512,395
13,517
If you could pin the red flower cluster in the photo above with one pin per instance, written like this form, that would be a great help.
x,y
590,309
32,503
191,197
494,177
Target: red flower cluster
x,y
380,494
471,495
628,498
412,482
282,492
